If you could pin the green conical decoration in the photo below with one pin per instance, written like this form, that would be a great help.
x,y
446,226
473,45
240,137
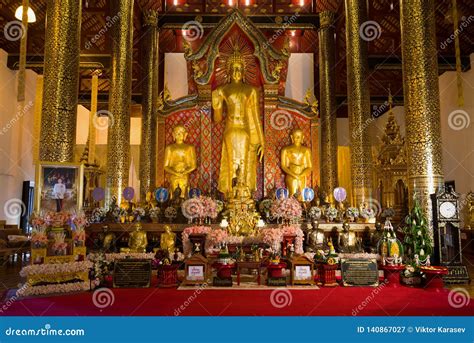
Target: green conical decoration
x,y
417,239
389,245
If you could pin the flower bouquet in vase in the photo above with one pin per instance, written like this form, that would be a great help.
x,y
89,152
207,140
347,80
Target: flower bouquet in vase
x,y
331,214
368,214
59,246
39,238
352,213
154,214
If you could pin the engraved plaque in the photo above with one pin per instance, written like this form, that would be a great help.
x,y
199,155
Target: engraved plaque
x,y
359,272
132,273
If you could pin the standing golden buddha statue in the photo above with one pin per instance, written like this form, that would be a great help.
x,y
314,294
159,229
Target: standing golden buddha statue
x,y
243,135
296,163
180,161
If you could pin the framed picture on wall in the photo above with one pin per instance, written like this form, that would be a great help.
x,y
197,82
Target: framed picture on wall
x,y
59,187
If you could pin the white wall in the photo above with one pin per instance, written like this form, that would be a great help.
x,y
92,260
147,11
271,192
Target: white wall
x,y
176,77
16,139
300,76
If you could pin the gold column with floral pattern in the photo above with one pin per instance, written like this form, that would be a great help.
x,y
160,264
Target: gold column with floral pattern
x,y
358,101
118,142
421,93
61,76
149,103
327,81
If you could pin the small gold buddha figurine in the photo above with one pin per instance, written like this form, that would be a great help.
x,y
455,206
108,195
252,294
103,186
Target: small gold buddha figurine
x,y
137,241
167,241
296,163
240,192
180,161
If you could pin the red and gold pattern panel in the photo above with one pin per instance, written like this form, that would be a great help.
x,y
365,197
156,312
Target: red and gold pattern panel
x,y
278,127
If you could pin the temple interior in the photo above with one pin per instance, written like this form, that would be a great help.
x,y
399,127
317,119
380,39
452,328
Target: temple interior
x,y
236,144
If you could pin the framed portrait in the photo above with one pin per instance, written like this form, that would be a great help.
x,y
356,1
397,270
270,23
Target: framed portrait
x,y
302,273
59,186
195,273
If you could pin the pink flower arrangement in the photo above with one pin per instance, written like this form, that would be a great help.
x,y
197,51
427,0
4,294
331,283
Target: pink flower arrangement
x,y
57,219
272,236
201,207
37,221
286,209
193,208
210,207
187,248
293,230
79,235
217,237
39,237
80,220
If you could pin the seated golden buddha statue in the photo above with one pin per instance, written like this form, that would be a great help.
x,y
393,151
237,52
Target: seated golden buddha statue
x,y
296,163
137,241
167,241
180,161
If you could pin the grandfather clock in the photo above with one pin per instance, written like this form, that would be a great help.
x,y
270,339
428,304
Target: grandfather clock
x,y
447,235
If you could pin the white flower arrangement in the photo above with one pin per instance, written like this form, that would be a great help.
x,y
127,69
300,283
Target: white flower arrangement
x,y
352,212
154,212
314,213
56,268
69,287
331,213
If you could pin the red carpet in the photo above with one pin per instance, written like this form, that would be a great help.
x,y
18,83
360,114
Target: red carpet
x,y
340,301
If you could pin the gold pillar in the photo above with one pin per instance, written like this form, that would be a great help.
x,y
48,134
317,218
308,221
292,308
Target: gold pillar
x,y
358,102
421,93
61,76
327,82
118,141
149,103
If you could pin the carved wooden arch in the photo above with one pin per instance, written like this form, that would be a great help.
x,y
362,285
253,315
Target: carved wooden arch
x,y
263,51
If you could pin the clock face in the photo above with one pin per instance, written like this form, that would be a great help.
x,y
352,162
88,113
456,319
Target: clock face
x,y
447,210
